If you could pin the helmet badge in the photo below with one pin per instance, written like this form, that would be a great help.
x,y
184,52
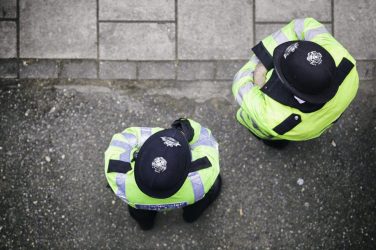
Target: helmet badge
x,y
314,58
170,142
290,49
159,164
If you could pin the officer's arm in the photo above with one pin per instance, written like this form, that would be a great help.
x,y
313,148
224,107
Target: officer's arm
x,y
196,134
244,79
129,139
204,167
118,157
202,136
298,29
124,143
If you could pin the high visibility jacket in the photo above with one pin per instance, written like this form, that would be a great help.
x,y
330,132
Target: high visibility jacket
x,y
269,118
124,147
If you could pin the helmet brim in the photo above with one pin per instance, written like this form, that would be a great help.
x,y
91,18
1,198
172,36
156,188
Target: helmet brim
x,y
321,98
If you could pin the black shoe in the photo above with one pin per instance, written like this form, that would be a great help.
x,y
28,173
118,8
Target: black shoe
x,y
277,144
144,218
192,212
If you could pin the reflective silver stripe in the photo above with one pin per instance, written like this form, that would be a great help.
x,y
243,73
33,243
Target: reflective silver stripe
x,y
197,185
158,207
243,91
248,72
125,156
130,138
254,59
280,37
310,34
299,28
236,77
145,134
121,144
240,75
120,183
205,139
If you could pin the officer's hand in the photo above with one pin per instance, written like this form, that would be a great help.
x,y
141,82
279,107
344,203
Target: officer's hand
x,y
259,75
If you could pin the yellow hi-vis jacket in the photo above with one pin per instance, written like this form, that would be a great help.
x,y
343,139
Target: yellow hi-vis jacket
x,y
124,147
270,119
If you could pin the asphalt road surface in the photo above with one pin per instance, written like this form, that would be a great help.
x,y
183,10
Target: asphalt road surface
x,y
318,194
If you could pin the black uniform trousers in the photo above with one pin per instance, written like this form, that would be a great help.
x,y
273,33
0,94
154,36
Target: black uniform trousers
x,y
191,213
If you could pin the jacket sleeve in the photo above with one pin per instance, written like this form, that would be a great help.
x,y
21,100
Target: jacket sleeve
x,y
120,152
243,80
205,156
122,144
298,29
195,133
202,136
204,147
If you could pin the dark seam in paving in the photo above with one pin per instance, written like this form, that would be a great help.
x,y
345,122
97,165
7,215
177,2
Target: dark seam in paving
x,y
18,36
134,21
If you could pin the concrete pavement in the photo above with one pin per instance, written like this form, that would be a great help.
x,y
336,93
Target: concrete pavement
x,y
74,72
115,39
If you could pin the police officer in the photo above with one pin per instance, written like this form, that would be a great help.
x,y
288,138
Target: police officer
x,y
154,169
296,85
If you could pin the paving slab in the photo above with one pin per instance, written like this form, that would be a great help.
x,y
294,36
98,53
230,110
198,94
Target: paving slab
x,y
214,29
195,70
8,68
137,41
53,133
117,70
8,39
284,11
8,8
156,70
226,70
78,69
40,69
354,26
137,10
58,29
366,70
264,30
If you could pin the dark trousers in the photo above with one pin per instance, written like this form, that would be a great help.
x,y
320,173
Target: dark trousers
x,y
278,144
191,213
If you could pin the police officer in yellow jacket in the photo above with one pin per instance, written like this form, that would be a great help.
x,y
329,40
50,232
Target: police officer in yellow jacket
x,y
308,79
154,169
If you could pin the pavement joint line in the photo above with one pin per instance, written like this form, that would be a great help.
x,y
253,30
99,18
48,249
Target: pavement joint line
x,y
137,21
215,70
366,60
18,36
8,19
155,61
176,40
61,61
285,22
114,80
254,21
332,15
57,58
137,70
60,68
146,61
98,67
